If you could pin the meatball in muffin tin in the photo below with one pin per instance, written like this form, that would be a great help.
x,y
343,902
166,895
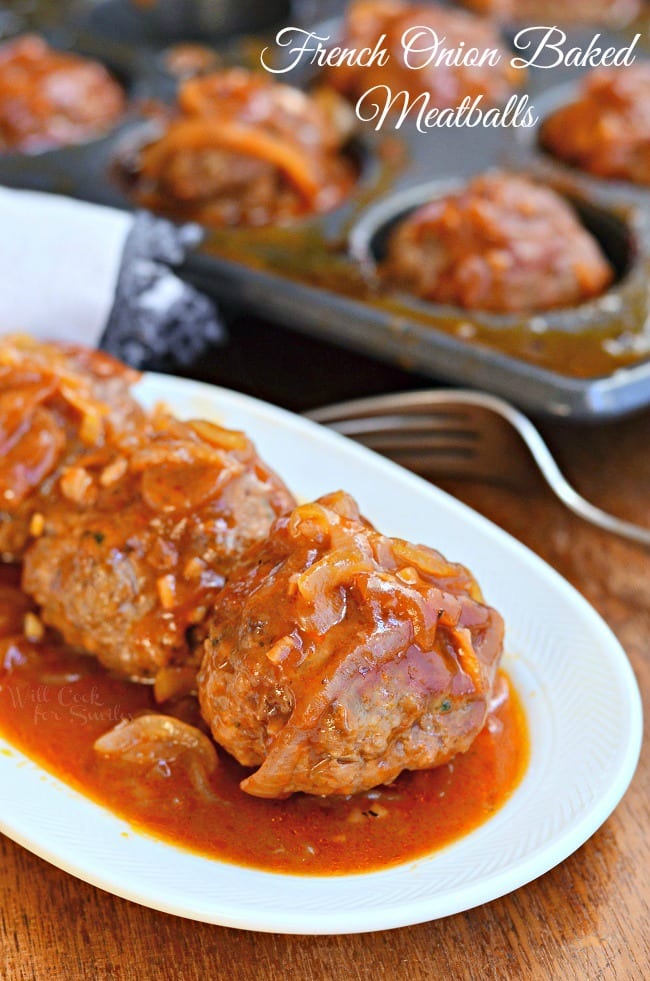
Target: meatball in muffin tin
x,y
51,98
603,130
500,243
513,258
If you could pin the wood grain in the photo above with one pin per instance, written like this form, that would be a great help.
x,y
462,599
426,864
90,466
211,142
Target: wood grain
x,y
587,919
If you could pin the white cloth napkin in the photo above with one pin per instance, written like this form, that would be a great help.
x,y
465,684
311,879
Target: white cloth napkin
x,y
59,265
99,276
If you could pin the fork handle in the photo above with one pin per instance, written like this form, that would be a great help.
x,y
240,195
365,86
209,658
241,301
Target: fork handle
x,y
567,494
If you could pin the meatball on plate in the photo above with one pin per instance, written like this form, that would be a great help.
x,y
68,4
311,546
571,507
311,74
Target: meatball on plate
x,y
58,402
337,657
191,497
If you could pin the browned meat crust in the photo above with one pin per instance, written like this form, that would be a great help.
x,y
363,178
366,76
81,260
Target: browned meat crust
x,y
128,566
500,244
52,98
606,131
337,657
127,523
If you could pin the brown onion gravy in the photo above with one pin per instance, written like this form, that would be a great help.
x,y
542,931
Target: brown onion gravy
x,y
55,703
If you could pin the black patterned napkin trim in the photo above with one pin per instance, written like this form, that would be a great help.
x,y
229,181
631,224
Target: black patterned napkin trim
x,y
157,319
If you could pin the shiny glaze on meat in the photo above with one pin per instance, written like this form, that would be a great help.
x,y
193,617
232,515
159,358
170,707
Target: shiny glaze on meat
x,y
337,657
127,522
57,402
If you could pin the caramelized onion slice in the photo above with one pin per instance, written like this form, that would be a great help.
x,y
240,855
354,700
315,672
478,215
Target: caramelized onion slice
x,y
172,682
195,134
150,739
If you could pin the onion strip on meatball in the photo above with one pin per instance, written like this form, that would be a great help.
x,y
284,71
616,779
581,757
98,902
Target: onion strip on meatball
x,y
335,657
199,134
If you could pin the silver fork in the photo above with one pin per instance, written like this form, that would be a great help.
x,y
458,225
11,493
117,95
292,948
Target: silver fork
x,y
466,434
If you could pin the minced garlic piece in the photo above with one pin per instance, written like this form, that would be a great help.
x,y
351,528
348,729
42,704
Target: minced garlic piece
x,y
33,628
166,586
37,525
75,484
112,473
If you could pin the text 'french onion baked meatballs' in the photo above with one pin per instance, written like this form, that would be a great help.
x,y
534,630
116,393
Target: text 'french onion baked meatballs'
x,y
137,550
502,244
337,657
448,84
57,403
244,149
606,131
52,98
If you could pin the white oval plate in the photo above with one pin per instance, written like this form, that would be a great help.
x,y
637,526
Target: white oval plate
x,y
579,692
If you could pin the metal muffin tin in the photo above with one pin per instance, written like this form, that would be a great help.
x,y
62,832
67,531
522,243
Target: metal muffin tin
x,y
320,276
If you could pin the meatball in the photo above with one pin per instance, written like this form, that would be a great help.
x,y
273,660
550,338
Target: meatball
x,y
57,402
243,149
611,12
501,244
448,85
139,545
606,131
336,657
53,98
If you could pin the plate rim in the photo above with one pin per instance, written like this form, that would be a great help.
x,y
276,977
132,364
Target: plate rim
x,y
491,887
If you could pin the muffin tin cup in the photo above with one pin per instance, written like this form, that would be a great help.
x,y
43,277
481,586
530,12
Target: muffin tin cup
x,y
133,74
624,242
319,276
542,161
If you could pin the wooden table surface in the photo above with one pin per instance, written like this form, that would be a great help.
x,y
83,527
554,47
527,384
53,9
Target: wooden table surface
x,y
587,919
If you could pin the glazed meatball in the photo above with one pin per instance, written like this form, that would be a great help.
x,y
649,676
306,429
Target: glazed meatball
x,y
448,85
53,98
243,149
337,657
140,543
606,131
501,244
611,12
57,403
